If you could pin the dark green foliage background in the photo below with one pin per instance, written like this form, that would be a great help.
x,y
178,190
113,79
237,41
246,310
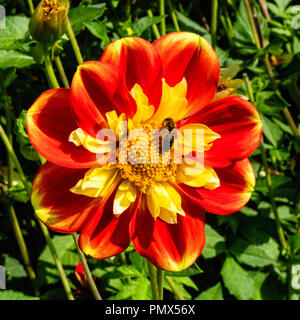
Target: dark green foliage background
x,y
242,258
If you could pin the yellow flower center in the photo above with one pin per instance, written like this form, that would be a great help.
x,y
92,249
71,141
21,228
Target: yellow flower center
x,y
146,165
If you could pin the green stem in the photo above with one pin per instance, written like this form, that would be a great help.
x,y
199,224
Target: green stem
x,y
74,43
162,14
45,231
252,24
268,66
87,271
272,197
23,248
153,280
31,7
57,261
175,289
214,22
173,16
123,257
50,72
62,72
264,9
154,26
160,283
268,175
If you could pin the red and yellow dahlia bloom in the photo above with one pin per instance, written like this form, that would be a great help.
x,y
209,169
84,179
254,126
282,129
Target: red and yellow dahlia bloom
x,y
160,208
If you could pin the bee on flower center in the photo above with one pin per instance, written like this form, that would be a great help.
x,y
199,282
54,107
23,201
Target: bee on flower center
x,y
168,139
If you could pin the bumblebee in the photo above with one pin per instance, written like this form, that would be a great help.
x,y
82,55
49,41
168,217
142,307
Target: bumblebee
x,y
169,124
168,141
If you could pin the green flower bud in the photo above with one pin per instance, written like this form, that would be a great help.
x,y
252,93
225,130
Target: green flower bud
x,y
49,21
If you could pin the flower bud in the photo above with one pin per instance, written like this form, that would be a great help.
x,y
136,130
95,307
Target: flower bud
x,y
49,21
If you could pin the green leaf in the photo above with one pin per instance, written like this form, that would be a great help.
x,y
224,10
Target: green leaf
x,y
13,267
139,262
214,243
12,58
82,15
18,193
237,280
126,291
65,248
142,289
249,211
282,4
180,287
213,293
258,254
259,279
190,25
186,281
191,271
294,243
278,182
271,131
16,28
15,295
144,23
244,39
98,29
124,271
270,103
26,148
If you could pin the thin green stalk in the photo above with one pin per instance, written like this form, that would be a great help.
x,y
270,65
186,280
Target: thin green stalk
x,y
259,45
214,22
45,231
252,24
162,14
264,9
87,271
50,72
173,16
268,176
153,280
57,261
160,283
154,26
31,7
123,257
272,197
225,26
23,248
61,72
74,43
175,289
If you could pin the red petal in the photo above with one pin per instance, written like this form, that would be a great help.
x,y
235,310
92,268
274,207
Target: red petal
x,y
98,88
49,124
171,247
188,55
236,185
139,62
105,235
238,123
57,207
